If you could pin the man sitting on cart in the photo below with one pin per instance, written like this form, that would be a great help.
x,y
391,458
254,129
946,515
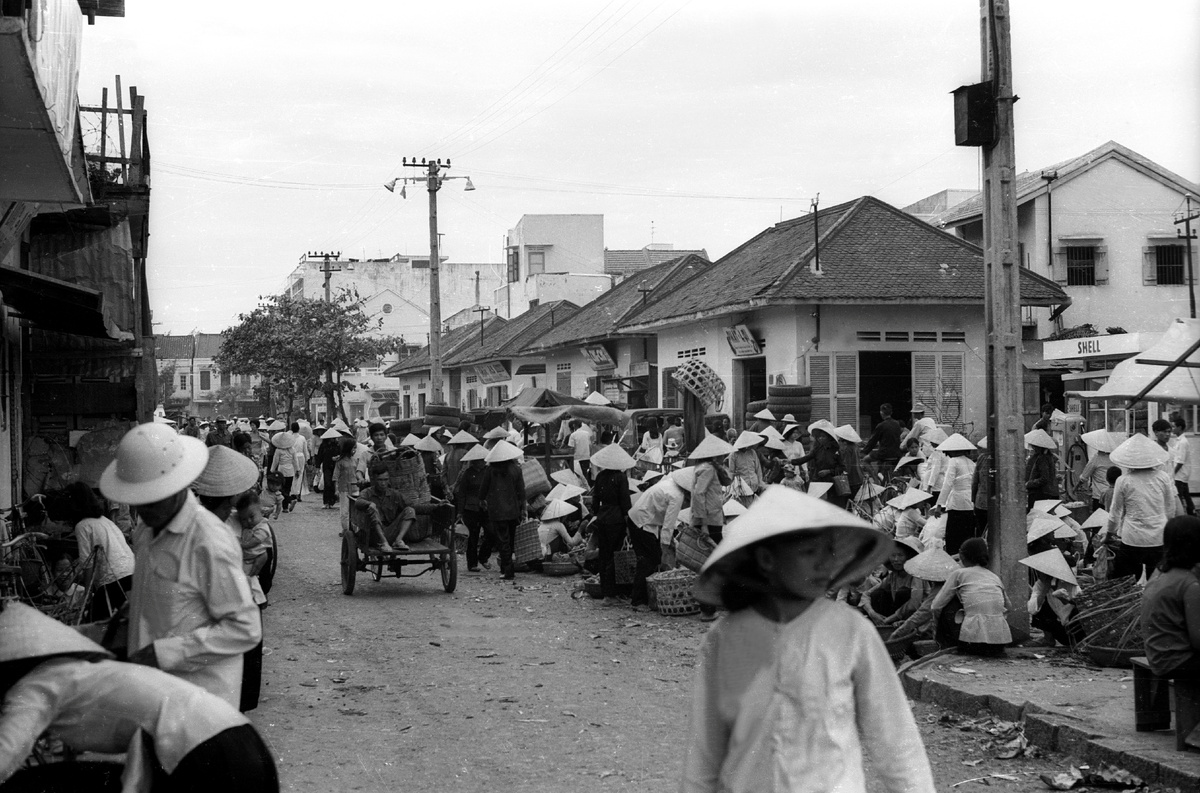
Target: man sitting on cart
x,y
382,512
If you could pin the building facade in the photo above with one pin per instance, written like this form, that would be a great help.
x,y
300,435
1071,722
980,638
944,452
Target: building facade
x,y
191,384
552,257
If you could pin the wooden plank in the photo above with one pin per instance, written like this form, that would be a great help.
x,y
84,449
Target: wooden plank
x,y
121,130
103,126
135,136
96,109
13,223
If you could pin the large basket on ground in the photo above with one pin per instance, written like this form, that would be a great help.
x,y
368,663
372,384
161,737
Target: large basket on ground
x,y
699,378
526,545
671,593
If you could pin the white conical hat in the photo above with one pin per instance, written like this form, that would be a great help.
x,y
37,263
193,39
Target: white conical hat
x,y
331,433
1037,514
428,444
495,433
1041,527
557,509
747,440
847,433
276,426
152,463
1052,563
956,443
564,492
337,424
1097,520
780,511
732,508
765,415
565,476
868,491
684,477
650,476
613,458
770,432
474,453
1138,451
503,451
982,444
26,633
1041,439
284,440
935,436
824,425
1047,505
463,437
774,443
931,565
685,516
410,440
909,498
228,473
710,447
1103,440
912,546
596,398
819,489
909,458
786,429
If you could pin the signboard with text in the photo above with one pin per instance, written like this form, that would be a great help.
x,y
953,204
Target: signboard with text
x,y
742,341
493,372
599,357
1114,346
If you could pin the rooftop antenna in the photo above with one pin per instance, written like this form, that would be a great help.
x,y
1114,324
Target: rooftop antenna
x,y
652,232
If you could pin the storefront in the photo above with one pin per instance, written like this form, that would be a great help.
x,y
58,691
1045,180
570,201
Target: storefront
x,y
1092,360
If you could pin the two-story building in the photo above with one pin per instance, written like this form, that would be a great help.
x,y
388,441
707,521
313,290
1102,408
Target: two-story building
x,y
552,257
197,387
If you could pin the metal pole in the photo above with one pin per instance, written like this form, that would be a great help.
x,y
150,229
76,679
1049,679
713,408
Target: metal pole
x,y
330,407
1006,519
435,302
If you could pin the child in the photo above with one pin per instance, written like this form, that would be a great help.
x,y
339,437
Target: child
x,y
345,478
791,685
270,501
984,630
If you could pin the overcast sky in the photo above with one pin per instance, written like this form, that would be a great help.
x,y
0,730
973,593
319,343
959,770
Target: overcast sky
x,y
273,124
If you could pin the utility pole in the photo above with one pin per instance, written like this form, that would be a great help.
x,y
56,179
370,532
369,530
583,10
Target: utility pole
x,y
1189,235
1002,312
481,311
434,182
327,269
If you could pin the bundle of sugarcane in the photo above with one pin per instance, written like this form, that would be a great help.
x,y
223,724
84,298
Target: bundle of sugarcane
x,y
1109,615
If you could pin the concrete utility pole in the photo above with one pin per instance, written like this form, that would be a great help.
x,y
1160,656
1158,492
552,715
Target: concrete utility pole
x,y
434,182
1002,311
1189,235
327,269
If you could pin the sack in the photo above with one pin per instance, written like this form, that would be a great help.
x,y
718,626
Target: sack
x,y
740,488
841,485
1103,563
625,562
693,548
526,545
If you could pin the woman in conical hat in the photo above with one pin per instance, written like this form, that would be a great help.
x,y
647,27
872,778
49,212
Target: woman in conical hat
x,y
954,497
1143,500
502,490
745,466
931,568
1051,603
611,503
1041,469
824,459
755,721
1095,474
898,594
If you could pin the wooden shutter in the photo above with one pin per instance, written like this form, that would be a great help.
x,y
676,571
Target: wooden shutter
x,y
1100,254
924,380
1149,266
670,393
820,378
1058,268
951,375
846,388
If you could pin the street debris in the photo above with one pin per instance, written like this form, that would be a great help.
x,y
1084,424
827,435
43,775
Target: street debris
x,y
1107,776
487,655
962,670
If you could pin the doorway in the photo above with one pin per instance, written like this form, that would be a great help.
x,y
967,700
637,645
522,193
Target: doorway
x,y
885,377
749,385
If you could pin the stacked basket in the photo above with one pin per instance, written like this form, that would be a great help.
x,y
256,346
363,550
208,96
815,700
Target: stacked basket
x,y
671,593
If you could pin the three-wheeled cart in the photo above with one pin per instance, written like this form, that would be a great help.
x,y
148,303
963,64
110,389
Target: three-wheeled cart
x,y
435,552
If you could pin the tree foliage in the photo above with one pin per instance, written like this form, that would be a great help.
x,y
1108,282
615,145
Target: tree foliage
x,y
289,342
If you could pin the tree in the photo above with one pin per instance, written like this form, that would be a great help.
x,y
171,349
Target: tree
x,y
227,397
289,342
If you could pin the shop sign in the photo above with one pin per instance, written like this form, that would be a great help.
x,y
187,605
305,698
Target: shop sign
x,y
493,372
742,341
1119,345
599,357
639,369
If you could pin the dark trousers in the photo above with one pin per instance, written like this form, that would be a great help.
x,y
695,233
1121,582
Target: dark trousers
x,y
649,555
1185,496
1134,560
505,536
960,527
108,598
252,663
235,759
981,522
586,467
609,538
1047,621
479,537
286,492
329,492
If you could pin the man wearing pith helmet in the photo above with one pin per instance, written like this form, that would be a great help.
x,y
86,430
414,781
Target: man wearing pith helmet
x,y
190,611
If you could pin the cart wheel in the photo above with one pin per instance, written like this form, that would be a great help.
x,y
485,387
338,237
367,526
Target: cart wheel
x,y
449,564
349,561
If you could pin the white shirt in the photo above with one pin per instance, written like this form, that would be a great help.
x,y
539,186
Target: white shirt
x,y
581,442
956,484
100,707
657,511
1142,503
1181,456
789,707
920,428
118,556
191,599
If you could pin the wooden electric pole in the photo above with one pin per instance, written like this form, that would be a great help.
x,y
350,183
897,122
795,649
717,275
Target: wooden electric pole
x,y
327,269
433,181
1187,234
1002,313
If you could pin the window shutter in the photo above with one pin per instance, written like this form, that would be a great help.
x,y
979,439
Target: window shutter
x,y
1058,269
1149,266
950,411
819,366
846,384
1100,254
924,379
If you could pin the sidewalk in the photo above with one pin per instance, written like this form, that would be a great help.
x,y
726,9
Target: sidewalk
x,y
1067,706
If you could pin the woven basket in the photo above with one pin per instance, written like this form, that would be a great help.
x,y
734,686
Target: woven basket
x,y
699,378
536,481
560,568
693,548
526,545
671,593
408,476
625,561
592,587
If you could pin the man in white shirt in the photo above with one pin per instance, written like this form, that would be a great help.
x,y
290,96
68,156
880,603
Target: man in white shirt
x,y
581,442
1181,455
921,427
191,612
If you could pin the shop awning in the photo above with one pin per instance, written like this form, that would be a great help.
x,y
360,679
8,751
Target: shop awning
x,y
53,304
1168,371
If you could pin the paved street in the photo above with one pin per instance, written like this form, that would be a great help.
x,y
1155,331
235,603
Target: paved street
x,y
494,687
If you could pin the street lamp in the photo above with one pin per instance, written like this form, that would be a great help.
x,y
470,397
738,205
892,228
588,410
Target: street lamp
x,y
433,180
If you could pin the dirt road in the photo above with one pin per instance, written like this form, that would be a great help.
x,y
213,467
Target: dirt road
x,y
495,687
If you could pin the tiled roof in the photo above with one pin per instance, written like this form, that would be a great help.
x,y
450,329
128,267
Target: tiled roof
x,y
600,318
452,341
1030,184
870,252
207,346
515,336
623,263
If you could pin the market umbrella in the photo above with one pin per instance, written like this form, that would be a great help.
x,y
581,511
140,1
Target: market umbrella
x,y
1152,369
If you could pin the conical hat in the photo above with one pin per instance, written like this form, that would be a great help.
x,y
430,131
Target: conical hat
x,y
819,489
1047,505
564,492
503,451
684,477
685,516
1097,520
1041,527
732,508
653,455
909,498
710,447
911,545
1036,514
1103,440
331,433
557,509
613,458
935,436
932,565
956,443
565,477
1041,439
824,425
1065,532
847,433
774,443
1052,563
765,415
1138,451
982,444
909,458
747,440
410,440
284,440
770,432
868,491
596,398
228,473
495,433
276,426
786,429
463,437
781,511
474,453
1061,511
651,476
26,633
428,444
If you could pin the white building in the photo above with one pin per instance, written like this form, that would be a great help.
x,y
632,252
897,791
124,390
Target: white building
x,y
197,383
552,257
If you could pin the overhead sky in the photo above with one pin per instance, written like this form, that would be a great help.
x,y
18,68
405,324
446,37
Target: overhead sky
x,y
273,124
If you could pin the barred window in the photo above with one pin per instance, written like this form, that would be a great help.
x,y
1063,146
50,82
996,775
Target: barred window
x,y
1169,265
695,352
1081,265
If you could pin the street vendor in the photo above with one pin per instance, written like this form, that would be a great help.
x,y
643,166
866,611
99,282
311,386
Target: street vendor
x,y
898,594
1051,602
552,534
745,466
386,517
932,568
431,452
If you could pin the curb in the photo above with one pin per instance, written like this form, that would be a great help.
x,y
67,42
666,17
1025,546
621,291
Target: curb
x,y
1058,732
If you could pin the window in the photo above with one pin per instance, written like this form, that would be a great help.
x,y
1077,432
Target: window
x,y
925,335
1081,265
407,405
1021,260
834,381
670,391
537,262
471,379
954,335
225,379
869,335
695,352
938,383
205,380
244,380
562,383
183,382
895,335
421,404
514,265
1168,261
472,399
